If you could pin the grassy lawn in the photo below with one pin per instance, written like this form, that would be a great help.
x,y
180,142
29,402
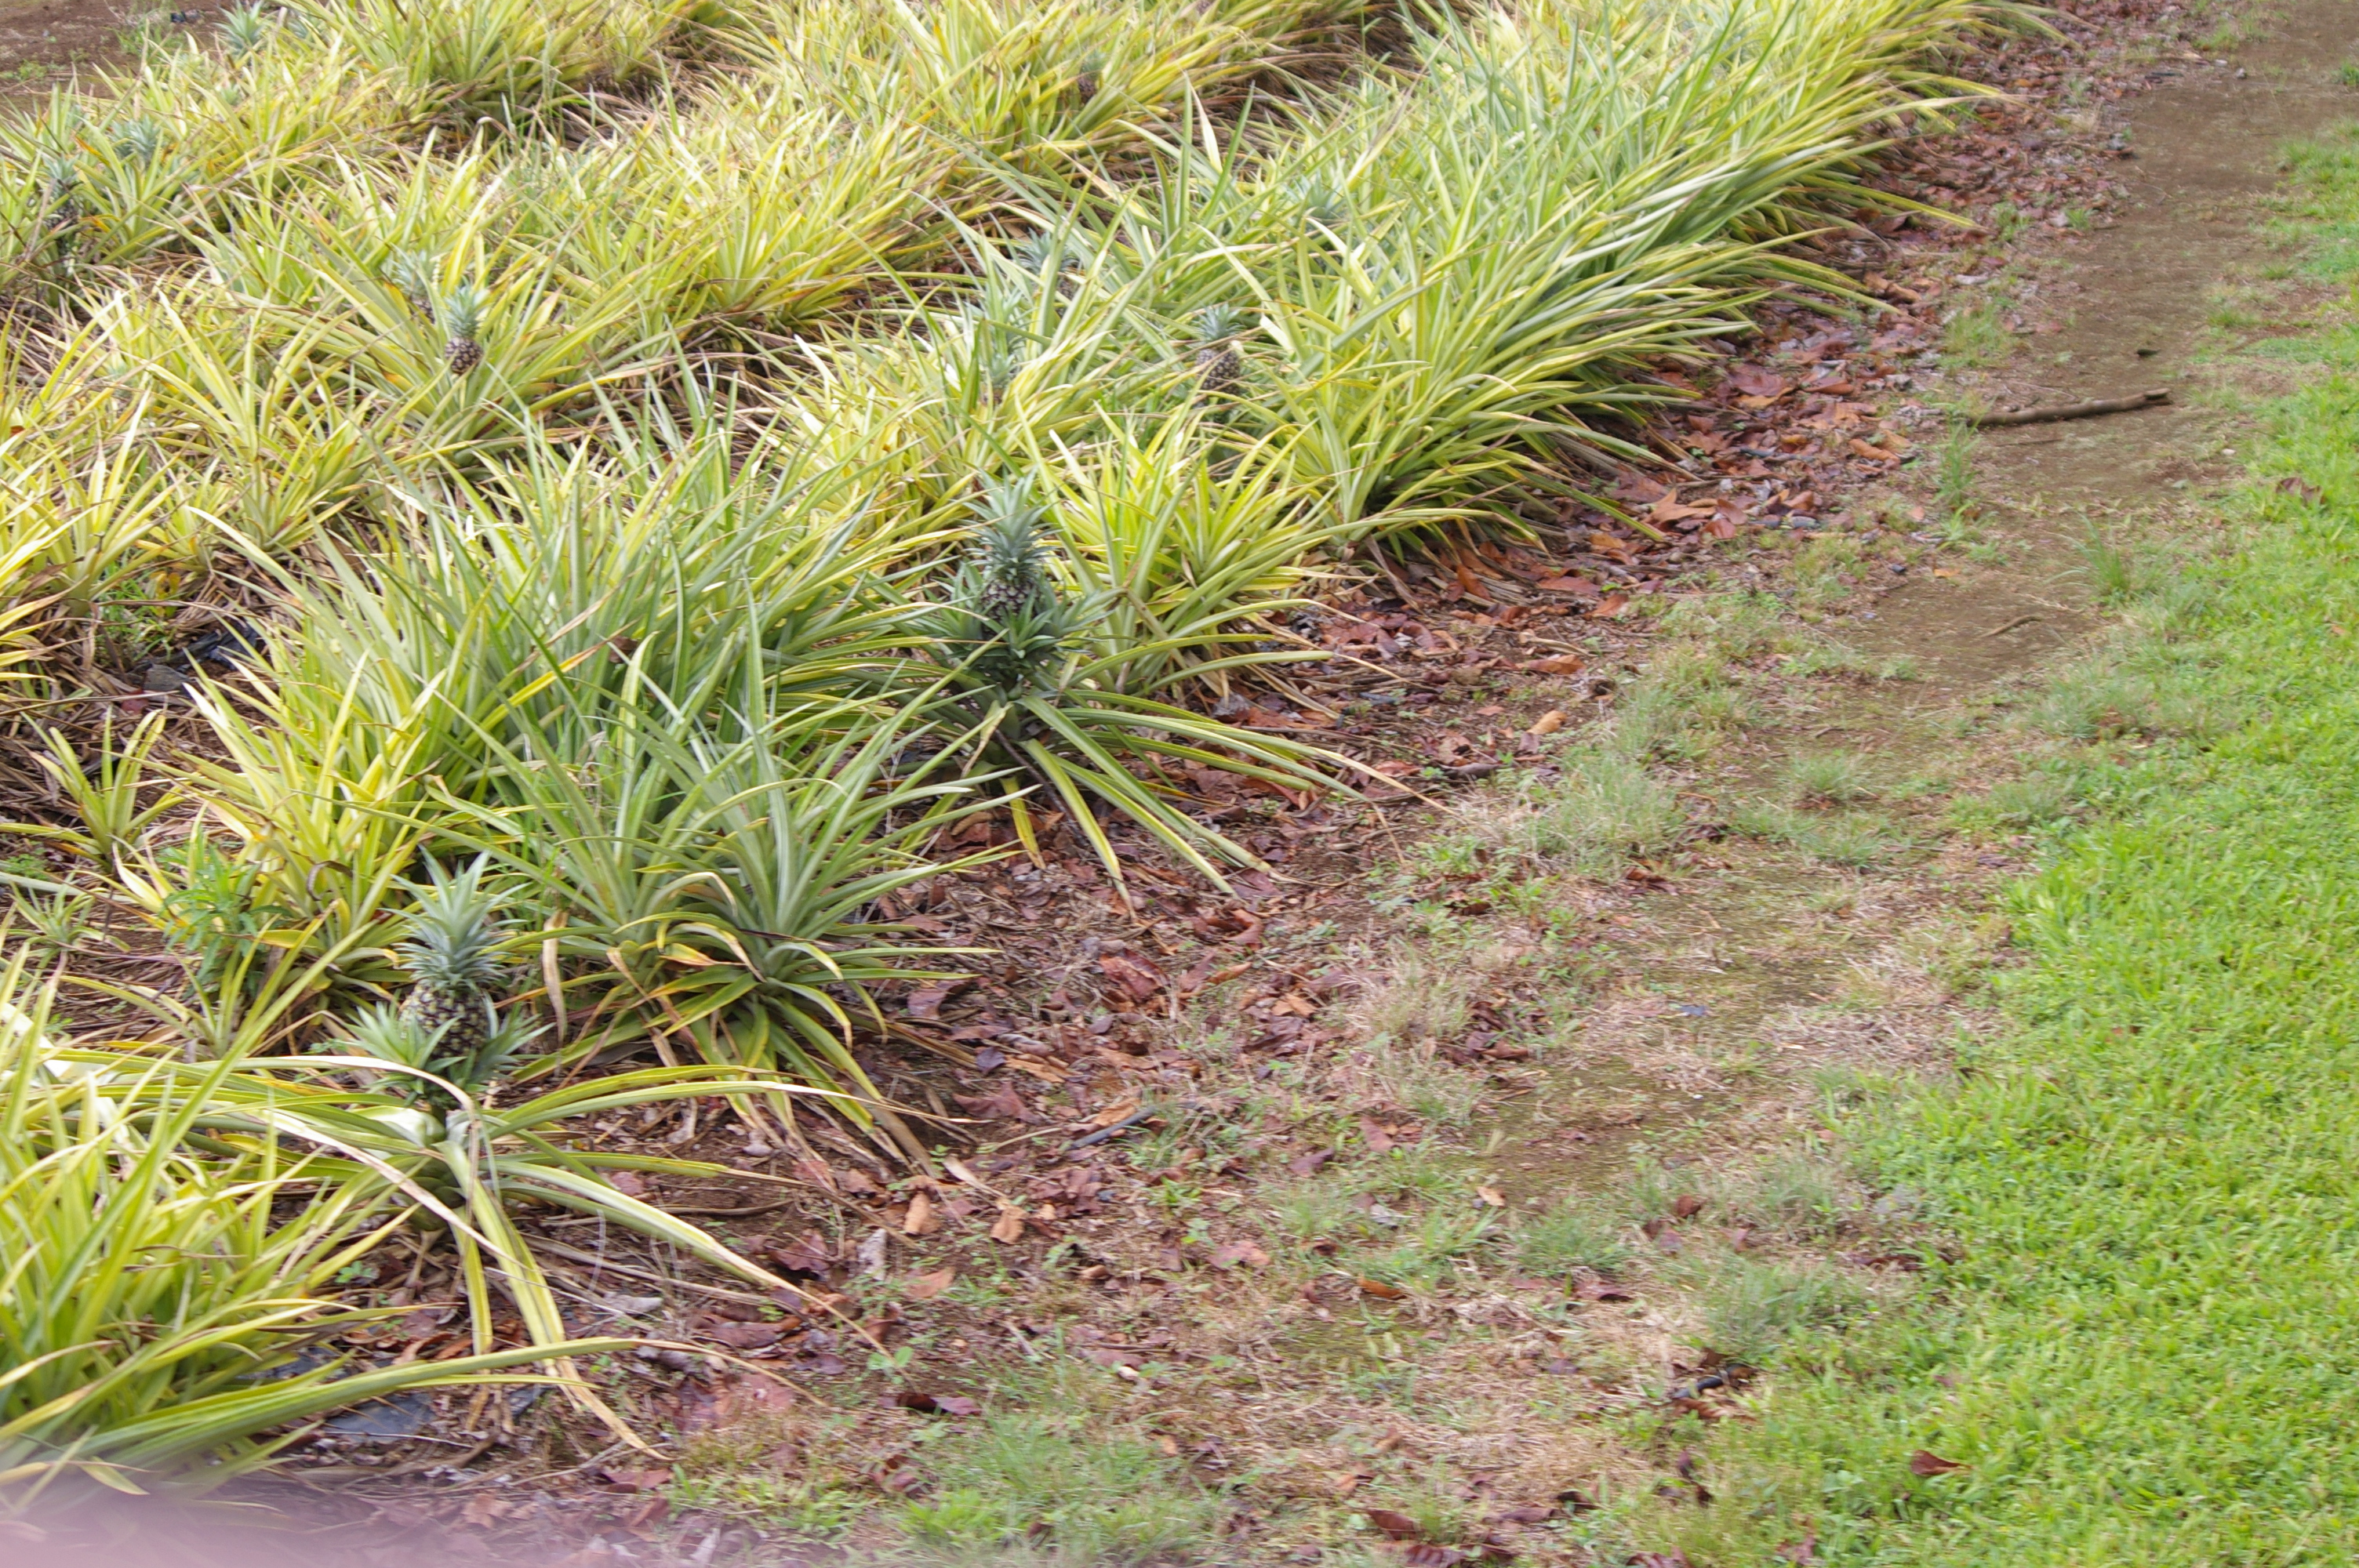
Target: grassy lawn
x,y
2139,1349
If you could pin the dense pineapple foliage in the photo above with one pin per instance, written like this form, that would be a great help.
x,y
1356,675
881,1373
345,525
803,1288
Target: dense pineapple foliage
x,y
687,456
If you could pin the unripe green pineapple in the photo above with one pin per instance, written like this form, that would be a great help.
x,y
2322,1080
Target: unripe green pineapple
x,y
1007,551
462,324
453,961
1220,368
64,194
412,272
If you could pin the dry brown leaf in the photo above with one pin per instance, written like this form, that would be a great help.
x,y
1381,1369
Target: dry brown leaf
x,y
920,1220
1009,1226
925,1287
1119,1111
1548,723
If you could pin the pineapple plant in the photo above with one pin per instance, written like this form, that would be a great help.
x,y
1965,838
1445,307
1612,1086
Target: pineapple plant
x,y
64,195
452,956
412,272
1005,606
1219,367
462,325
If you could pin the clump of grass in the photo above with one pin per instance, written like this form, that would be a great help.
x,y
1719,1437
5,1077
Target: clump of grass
x,y
2102,700
1576,1233
1604,809
1825,570
2033,801
1800,1195
1851,838
2237,308
1830,778
1976,337
1953,476
1823,657
1085,1496
2112,569
1731,627
1750,1308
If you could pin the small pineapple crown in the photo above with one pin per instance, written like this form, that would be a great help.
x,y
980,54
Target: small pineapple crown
x,y
1037,253
139,141
245,30
1219,324
1007,549
63,176
412,272
463,310
454,941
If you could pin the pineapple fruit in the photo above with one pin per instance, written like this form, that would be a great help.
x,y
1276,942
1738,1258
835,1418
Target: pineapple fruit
x,y
462,325
1220,368
452,956
1007,553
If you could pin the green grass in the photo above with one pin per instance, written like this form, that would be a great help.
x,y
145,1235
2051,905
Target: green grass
x,y
2147,1183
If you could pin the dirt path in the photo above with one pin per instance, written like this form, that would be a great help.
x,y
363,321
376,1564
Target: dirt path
x,y
2137,304
45,43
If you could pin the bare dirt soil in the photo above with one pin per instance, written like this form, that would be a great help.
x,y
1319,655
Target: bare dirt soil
x,y
45,44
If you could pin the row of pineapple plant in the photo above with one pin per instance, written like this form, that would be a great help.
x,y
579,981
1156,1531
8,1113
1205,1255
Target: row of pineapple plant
x,y
659,535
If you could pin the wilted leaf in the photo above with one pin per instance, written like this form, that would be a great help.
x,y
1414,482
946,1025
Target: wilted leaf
x,y
1383,1289
638,1479
1925,1462
1229,1254
1611,606
925,1001
920,1220
925,1287
936,1404
1492,1198
1120,1112
1002,1104
1105,1355
1548,723
1139,980
1557,665
1755,382
1400,1526
745,1336
808,1256
1308,1162
1686,1205
1429,1554
1009,1226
